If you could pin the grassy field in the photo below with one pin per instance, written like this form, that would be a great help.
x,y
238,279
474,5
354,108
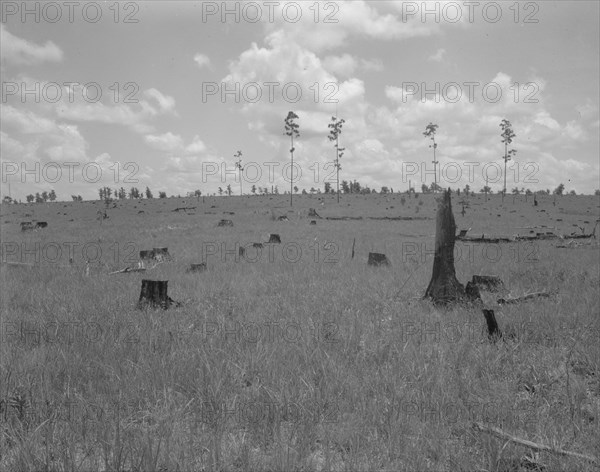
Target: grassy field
x,y
304,359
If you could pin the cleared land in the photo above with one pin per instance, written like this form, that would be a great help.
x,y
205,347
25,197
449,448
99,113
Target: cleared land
x,y
305,359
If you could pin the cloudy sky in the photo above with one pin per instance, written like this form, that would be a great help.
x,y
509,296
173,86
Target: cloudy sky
x,y
175,89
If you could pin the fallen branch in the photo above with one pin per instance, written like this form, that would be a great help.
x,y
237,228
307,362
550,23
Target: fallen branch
x,y
140,268
128,269
523,442
184,209
524,298
23,264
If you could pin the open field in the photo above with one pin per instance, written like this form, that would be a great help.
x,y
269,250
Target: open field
x,y
305,359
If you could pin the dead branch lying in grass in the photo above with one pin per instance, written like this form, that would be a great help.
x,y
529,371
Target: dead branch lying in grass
x,y
523,442
141,268
128,269
524,298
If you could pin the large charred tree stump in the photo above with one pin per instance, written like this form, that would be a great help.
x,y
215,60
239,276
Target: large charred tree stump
x,y
154,295
444,287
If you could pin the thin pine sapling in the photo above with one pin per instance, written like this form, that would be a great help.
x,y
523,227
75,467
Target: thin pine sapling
x,y
429,132
507,136
239,166
292,130
335,129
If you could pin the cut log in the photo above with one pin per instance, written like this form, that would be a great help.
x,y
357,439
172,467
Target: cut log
x,y
494,332
154,295
376,259
444,287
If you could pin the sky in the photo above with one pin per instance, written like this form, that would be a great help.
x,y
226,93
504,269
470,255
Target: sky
x,y
164,94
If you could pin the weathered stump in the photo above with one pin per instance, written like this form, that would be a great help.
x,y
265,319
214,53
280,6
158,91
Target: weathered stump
x,y
493,330
26,226
444,287
146,255
274,239
376,259
154,294
161,254
201,267
312,213
490,283
472,292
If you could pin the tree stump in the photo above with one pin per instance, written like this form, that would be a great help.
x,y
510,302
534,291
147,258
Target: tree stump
x,y
274,239
146,255
312,213
154,294
376,259
490,283
225,223
197,267
444,287
493,330
161,254
472,291
313,222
